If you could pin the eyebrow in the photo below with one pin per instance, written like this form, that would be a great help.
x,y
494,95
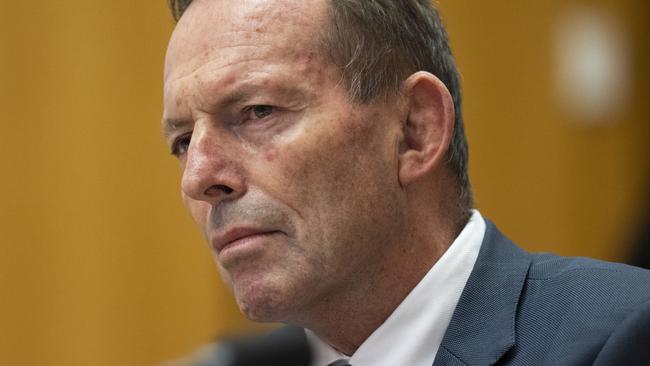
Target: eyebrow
x,y
170,125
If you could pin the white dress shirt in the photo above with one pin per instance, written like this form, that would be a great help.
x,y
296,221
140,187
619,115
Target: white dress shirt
x,y
413,332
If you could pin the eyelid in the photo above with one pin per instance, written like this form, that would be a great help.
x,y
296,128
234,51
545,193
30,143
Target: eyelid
x,y
248,111
174,149
249,108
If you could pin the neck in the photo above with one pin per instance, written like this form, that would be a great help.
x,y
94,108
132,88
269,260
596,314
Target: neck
x,y
347,320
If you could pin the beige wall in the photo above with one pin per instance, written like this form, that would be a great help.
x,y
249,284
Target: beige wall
x,y
99,264
549,180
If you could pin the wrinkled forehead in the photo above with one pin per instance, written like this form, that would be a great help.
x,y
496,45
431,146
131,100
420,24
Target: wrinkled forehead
x,y
213,28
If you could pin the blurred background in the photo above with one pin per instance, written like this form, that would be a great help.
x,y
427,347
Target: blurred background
x,y
100,264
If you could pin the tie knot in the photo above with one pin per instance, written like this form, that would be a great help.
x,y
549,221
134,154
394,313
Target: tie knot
x,y
339,363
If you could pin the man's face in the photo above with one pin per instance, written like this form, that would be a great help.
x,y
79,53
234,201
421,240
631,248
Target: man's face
x,y
294,187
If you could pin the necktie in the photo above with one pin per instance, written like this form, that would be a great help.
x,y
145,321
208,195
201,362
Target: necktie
x,y
339,363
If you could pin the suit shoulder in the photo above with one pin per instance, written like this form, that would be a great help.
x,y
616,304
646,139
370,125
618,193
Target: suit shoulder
x,y
546,266
587,280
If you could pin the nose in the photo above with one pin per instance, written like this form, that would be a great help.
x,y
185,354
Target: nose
x,y
211,171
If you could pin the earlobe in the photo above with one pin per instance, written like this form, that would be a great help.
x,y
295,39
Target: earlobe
x,y
428,127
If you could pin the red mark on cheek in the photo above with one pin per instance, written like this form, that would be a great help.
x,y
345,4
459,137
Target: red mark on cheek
x,y
270,154
351,127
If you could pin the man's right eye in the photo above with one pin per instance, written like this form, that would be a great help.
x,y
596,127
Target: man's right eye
x,y
181,145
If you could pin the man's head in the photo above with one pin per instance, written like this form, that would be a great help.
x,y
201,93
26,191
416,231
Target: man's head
x,y
377,44
313,151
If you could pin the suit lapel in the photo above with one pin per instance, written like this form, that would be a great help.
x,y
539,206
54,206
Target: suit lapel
x,y
482,328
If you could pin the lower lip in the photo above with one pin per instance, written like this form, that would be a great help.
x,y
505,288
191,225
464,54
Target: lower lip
x,y
244,244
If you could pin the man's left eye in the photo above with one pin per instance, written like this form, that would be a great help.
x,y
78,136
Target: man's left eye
x,y
261,111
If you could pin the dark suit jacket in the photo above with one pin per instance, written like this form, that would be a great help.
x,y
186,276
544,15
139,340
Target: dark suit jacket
x,y
540,309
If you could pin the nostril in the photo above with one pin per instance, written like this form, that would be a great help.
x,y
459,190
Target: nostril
x,y
225,189
218,187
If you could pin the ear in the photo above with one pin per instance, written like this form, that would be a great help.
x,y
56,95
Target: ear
x,y
428,127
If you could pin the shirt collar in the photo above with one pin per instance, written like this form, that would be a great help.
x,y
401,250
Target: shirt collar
x,y
423,316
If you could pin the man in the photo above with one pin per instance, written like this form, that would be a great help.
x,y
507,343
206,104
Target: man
x,y
324,158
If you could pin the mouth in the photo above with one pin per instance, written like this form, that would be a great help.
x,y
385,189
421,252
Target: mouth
x,y
239,236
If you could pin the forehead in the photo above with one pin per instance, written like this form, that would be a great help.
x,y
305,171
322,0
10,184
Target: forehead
x,y
214,30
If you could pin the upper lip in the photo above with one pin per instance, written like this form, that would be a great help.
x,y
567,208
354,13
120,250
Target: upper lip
x,y
224,238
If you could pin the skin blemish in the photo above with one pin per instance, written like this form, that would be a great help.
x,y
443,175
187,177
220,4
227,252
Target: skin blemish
x,y
353,125
309,57
270,154
228,80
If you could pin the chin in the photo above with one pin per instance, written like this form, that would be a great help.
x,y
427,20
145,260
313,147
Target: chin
x,y
264,301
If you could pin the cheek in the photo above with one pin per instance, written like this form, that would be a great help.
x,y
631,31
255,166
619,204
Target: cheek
x,y
199,210
332,172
